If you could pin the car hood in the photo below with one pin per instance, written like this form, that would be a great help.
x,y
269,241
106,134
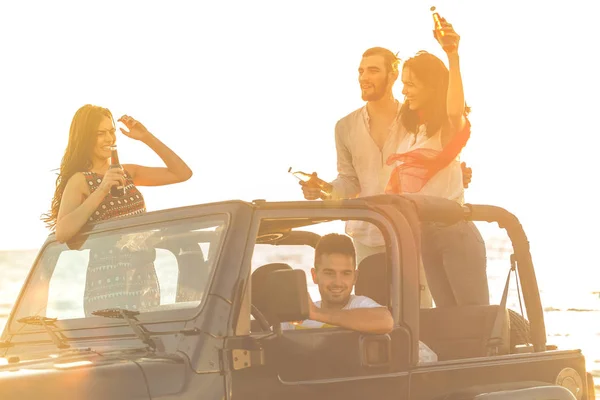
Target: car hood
x,y
87,374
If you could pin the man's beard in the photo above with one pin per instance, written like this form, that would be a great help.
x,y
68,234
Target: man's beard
x,y
335,301
377,94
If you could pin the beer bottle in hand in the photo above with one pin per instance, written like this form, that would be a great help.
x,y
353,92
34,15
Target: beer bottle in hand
x,y
115,191
314,180
438,32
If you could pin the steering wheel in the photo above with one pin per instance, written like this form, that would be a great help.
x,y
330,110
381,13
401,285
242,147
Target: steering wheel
x,y
262,320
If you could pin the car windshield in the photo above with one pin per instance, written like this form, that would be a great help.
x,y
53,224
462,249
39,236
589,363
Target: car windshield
x,y
150,268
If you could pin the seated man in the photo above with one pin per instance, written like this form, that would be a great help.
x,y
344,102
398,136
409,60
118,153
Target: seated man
x,y
335,273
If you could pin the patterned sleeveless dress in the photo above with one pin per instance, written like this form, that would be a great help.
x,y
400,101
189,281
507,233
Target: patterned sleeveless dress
x,y
118,275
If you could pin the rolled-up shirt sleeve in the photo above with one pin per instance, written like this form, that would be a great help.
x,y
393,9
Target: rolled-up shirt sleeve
x,y
346,185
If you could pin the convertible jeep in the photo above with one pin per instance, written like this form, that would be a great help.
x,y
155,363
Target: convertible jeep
x,y
230,273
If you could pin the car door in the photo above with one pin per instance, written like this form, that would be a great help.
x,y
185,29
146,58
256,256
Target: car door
x,y
322,363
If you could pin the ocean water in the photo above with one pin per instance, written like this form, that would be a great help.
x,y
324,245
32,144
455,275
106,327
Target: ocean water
x,y
572,312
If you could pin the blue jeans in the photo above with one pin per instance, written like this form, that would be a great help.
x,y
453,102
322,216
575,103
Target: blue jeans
x,y
454,259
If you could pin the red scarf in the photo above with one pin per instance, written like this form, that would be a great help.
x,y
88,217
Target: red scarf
x,y
420,165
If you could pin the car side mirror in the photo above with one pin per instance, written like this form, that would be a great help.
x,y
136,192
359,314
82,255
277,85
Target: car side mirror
x,y
289,295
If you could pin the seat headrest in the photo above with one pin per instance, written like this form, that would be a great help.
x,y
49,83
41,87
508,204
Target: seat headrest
x,y
193,274
373,279
260,296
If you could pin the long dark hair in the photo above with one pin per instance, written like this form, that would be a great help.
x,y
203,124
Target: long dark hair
x,y
78,154
430,70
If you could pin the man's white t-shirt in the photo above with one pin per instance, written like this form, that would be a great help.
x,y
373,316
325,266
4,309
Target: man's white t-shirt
x,y
355,302
425,353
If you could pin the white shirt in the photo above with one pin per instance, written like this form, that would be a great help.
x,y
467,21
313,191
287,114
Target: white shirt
x,y
353,303
362,168
425,353
448,182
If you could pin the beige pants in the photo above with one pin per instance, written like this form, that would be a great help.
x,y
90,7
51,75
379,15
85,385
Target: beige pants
x,y
363,251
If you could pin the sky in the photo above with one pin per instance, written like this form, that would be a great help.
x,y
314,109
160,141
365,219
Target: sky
x,y
243,90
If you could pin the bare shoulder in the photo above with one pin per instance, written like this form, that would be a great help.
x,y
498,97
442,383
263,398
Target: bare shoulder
x,y
77,183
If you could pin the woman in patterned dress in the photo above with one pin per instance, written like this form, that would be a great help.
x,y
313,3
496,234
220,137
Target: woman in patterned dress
x,y
116,276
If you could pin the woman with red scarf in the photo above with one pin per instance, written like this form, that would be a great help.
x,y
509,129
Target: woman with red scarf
x,y
427,161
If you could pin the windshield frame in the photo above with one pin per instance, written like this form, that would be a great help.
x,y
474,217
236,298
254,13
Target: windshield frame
x,y
220,215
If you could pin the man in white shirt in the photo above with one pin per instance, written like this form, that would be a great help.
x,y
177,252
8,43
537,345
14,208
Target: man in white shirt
x,y
364,140
335,273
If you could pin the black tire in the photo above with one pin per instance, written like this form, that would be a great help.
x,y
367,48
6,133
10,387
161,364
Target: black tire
x,y
520,330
